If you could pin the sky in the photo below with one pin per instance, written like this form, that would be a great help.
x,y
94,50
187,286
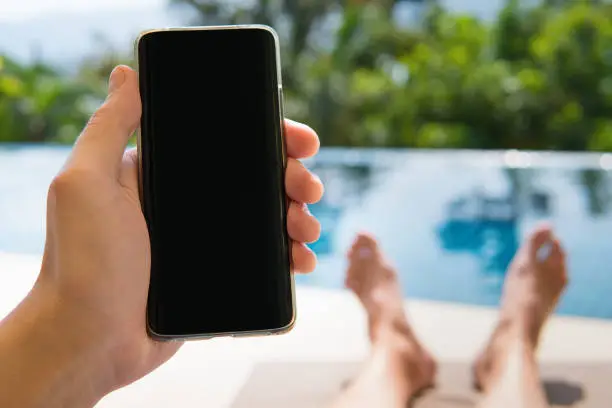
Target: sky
x,y
63,32
15,10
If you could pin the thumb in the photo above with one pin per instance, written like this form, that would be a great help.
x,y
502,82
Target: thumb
x,y
103,141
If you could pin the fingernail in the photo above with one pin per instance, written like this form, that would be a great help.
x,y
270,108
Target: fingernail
x,y
117,77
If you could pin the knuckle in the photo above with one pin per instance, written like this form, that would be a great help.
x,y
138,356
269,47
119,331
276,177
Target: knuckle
x,y
69,181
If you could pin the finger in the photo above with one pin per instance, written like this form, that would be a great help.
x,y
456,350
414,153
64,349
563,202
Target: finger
x,y
301,140
304,260
128,177
301,225
301,185
103,141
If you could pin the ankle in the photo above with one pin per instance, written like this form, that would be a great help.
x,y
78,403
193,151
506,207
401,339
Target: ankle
x,y
509,344
389,327
525,331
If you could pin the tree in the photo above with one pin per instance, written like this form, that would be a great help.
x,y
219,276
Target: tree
x,y
323,41
538,77
37,104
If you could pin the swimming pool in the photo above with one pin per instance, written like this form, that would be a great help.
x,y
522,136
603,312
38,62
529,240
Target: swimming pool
x,y
450,221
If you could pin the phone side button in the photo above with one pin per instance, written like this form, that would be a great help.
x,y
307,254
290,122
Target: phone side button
x,y
281,102
281,109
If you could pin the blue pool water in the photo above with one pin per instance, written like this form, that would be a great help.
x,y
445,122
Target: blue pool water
x,y
450,222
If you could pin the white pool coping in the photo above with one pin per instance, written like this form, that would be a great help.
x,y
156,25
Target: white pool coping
x,y
330,327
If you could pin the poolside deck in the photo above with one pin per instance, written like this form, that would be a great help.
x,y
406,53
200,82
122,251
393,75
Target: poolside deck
x,y
330,328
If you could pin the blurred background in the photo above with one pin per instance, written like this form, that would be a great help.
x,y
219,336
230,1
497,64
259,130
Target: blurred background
x,y
431,115
449,129
475,74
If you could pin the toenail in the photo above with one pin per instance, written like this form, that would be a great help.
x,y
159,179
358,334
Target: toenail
x,y
365,252
544,252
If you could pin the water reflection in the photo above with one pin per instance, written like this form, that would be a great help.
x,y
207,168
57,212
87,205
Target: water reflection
x,y
483,226
452,225
596,190
345,186
450,222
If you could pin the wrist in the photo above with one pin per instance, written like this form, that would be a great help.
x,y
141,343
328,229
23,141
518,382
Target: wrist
x,y
47,361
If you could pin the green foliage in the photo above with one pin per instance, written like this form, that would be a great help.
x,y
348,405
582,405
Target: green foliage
x,y
40,104
534,78
37,104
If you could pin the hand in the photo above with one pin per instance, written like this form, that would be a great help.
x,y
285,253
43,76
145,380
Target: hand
x,y
97,257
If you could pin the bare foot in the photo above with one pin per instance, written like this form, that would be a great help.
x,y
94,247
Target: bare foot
x,y
376,285
534,282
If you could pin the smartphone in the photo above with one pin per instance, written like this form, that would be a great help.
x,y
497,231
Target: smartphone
x,y
212,166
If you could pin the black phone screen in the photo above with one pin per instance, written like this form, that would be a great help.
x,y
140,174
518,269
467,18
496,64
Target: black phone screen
x,y
212,170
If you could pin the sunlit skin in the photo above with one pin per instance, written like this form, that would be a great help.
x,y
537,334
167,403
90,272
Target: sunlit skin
x,y
400,367
80,333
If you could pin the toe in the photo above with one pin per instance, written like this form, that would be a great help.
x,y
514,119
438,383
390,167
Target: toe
x,y
362,256
557,256
539,237
364,247
556,251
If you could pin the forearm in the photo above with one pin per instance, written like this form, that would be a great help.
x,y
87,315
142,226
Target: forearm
x,y
40,364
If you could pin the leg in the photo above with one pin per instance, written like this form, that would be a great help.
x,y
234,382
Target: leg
x,y
507,370
398,367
